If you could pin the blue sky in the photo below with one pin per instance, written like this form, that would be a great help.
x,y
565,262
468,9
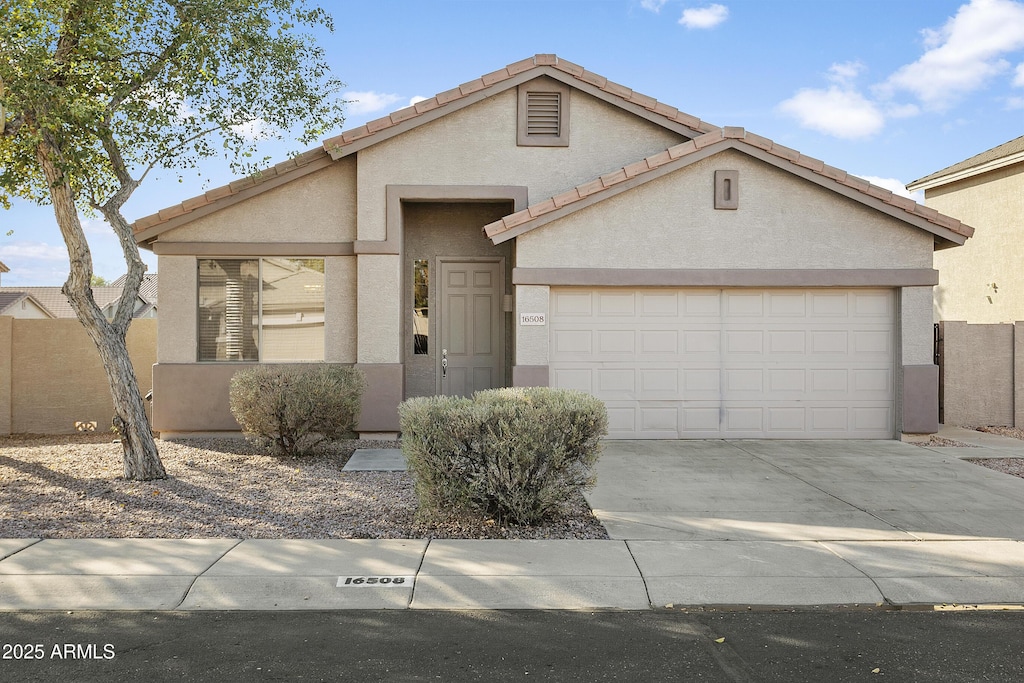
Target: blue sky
x,y
891,90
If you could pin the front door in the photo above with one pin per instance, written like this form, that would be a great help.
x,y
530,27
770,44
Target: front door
x,y
472,340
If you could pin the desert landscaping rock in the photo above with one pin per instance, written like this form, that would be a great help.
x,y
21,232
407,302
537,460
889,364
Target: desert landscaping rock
x,y
73,487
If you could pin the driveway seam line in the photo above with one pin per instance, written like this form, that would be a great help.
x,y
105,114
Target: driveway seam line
x,y
416,575
639,572
37,542
827,493
192,583
885,598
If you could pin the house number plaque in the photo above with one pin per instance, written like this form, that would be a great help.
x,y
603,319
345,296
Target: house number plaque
x,y
532,319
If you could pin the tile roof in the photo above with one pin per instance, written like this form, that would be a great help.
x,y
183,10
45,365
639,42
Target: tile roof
x,y
54,301
680,155
8,299
539,61
218,194
335,147
148,290
1014,147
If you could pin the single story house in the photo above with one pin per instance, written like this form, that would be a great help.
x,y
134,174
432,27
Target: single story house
x,y
542,225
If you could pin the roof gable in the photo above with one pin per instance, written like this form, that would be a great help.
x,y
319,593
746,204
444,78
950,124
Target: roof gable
x,y
442,104
1006,154
511,76
948,231
11,298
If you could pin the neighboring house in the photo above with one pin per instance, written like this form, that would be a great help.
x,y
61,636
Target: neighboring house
x,y
542,225
55,304
3,268
19,304
983,282
981,287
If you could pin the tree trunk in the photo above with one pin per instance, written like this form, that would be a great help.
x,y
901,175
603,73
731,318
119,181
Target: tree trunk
x,y
141,459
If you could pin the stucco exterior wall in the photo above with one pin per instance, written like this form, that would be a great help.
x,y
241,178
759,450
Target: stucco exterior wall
x,y
978,374
178,306
340,302
782,222
55,376
982,281
532,345
319,207
379,316
477,146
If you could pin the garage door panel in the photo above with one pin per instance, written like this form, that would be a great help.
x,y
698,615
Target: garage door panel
x,y
580,379
698,363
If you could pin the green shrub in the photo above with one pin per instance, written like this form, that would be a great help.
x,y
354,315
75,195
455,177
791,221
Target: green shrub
x,y
293,408
518,455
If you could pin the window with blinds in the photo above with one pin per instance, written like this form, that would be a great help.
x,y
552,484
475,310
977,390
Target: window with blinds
x,y
543,116
269,310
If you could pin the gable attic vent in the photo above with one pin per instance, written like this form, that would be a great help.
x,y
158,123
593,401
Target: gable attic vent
x,y
543,113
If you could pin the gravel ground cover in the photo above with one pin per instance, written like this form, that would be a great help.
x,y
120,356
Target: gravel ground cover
x,y
1014,466
72,487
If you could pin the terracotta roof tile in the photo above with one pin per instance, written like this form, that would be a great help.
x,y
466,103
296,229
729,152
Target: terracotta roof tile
x,y
520,66
567,197
617,89
404,114
546,206
661,158
496,77
636,169
785,152
728,136
171,212
587,189
593,79
336,143
379,124
472,86
570,68
424,106
681,149
614,178
195,203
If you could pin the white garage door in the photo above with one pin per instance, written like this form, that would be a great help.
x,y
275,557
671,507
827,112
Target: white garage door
x,y
732,363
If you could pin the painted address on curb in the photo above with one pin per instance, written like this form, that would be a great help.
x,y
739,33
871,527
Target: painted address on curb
x,y
374,581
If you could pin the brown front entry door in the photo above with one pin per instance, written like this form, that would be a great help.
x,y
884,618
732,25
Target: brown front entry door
x,y
472,340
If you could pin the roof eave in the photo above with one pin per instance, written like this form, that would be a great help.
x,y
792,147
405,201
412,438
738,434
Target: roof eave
x,y
403,120
929,183
545,212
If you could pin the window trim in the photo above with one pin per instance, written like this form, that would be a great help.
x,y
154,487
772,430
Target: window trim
x,y
543,85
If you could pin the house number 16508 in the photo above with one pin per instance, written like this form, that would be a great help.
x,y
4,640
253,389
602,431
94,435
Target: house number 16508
x,y
372,581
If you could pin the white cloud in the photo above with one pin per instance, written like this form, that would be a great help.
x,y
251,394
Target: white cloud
x,y
893,185
368,102
845,73
257,129
1014,103
653,5
39,251
1018,79
839,111
962,55
416,98
704,17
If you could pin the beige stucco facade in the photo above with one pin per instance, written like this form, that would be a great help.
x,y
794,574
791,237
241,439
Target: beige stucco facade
x,y
983,282
370,206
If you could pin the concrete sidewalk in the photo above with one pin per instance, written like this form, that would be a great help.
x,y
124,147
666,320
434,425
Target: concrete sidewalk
x,y
698,523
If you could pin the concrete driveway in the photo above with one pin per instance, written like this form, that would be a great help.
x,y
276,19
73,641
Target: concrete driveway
x,y
798,522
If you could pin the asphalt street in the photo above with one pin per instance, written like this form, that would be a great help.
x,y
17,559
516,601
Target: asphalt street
x,y
663,645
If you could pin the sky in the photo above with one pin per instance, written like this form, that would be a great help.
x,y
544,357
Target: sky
x,y
890,90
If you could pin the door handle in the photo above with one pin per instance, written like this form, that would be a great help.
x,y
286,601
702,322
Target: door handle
x,y
444,363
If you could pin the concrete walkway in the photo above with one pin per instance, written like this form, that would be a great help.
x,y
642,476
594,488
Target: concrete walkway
x,y
697,523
